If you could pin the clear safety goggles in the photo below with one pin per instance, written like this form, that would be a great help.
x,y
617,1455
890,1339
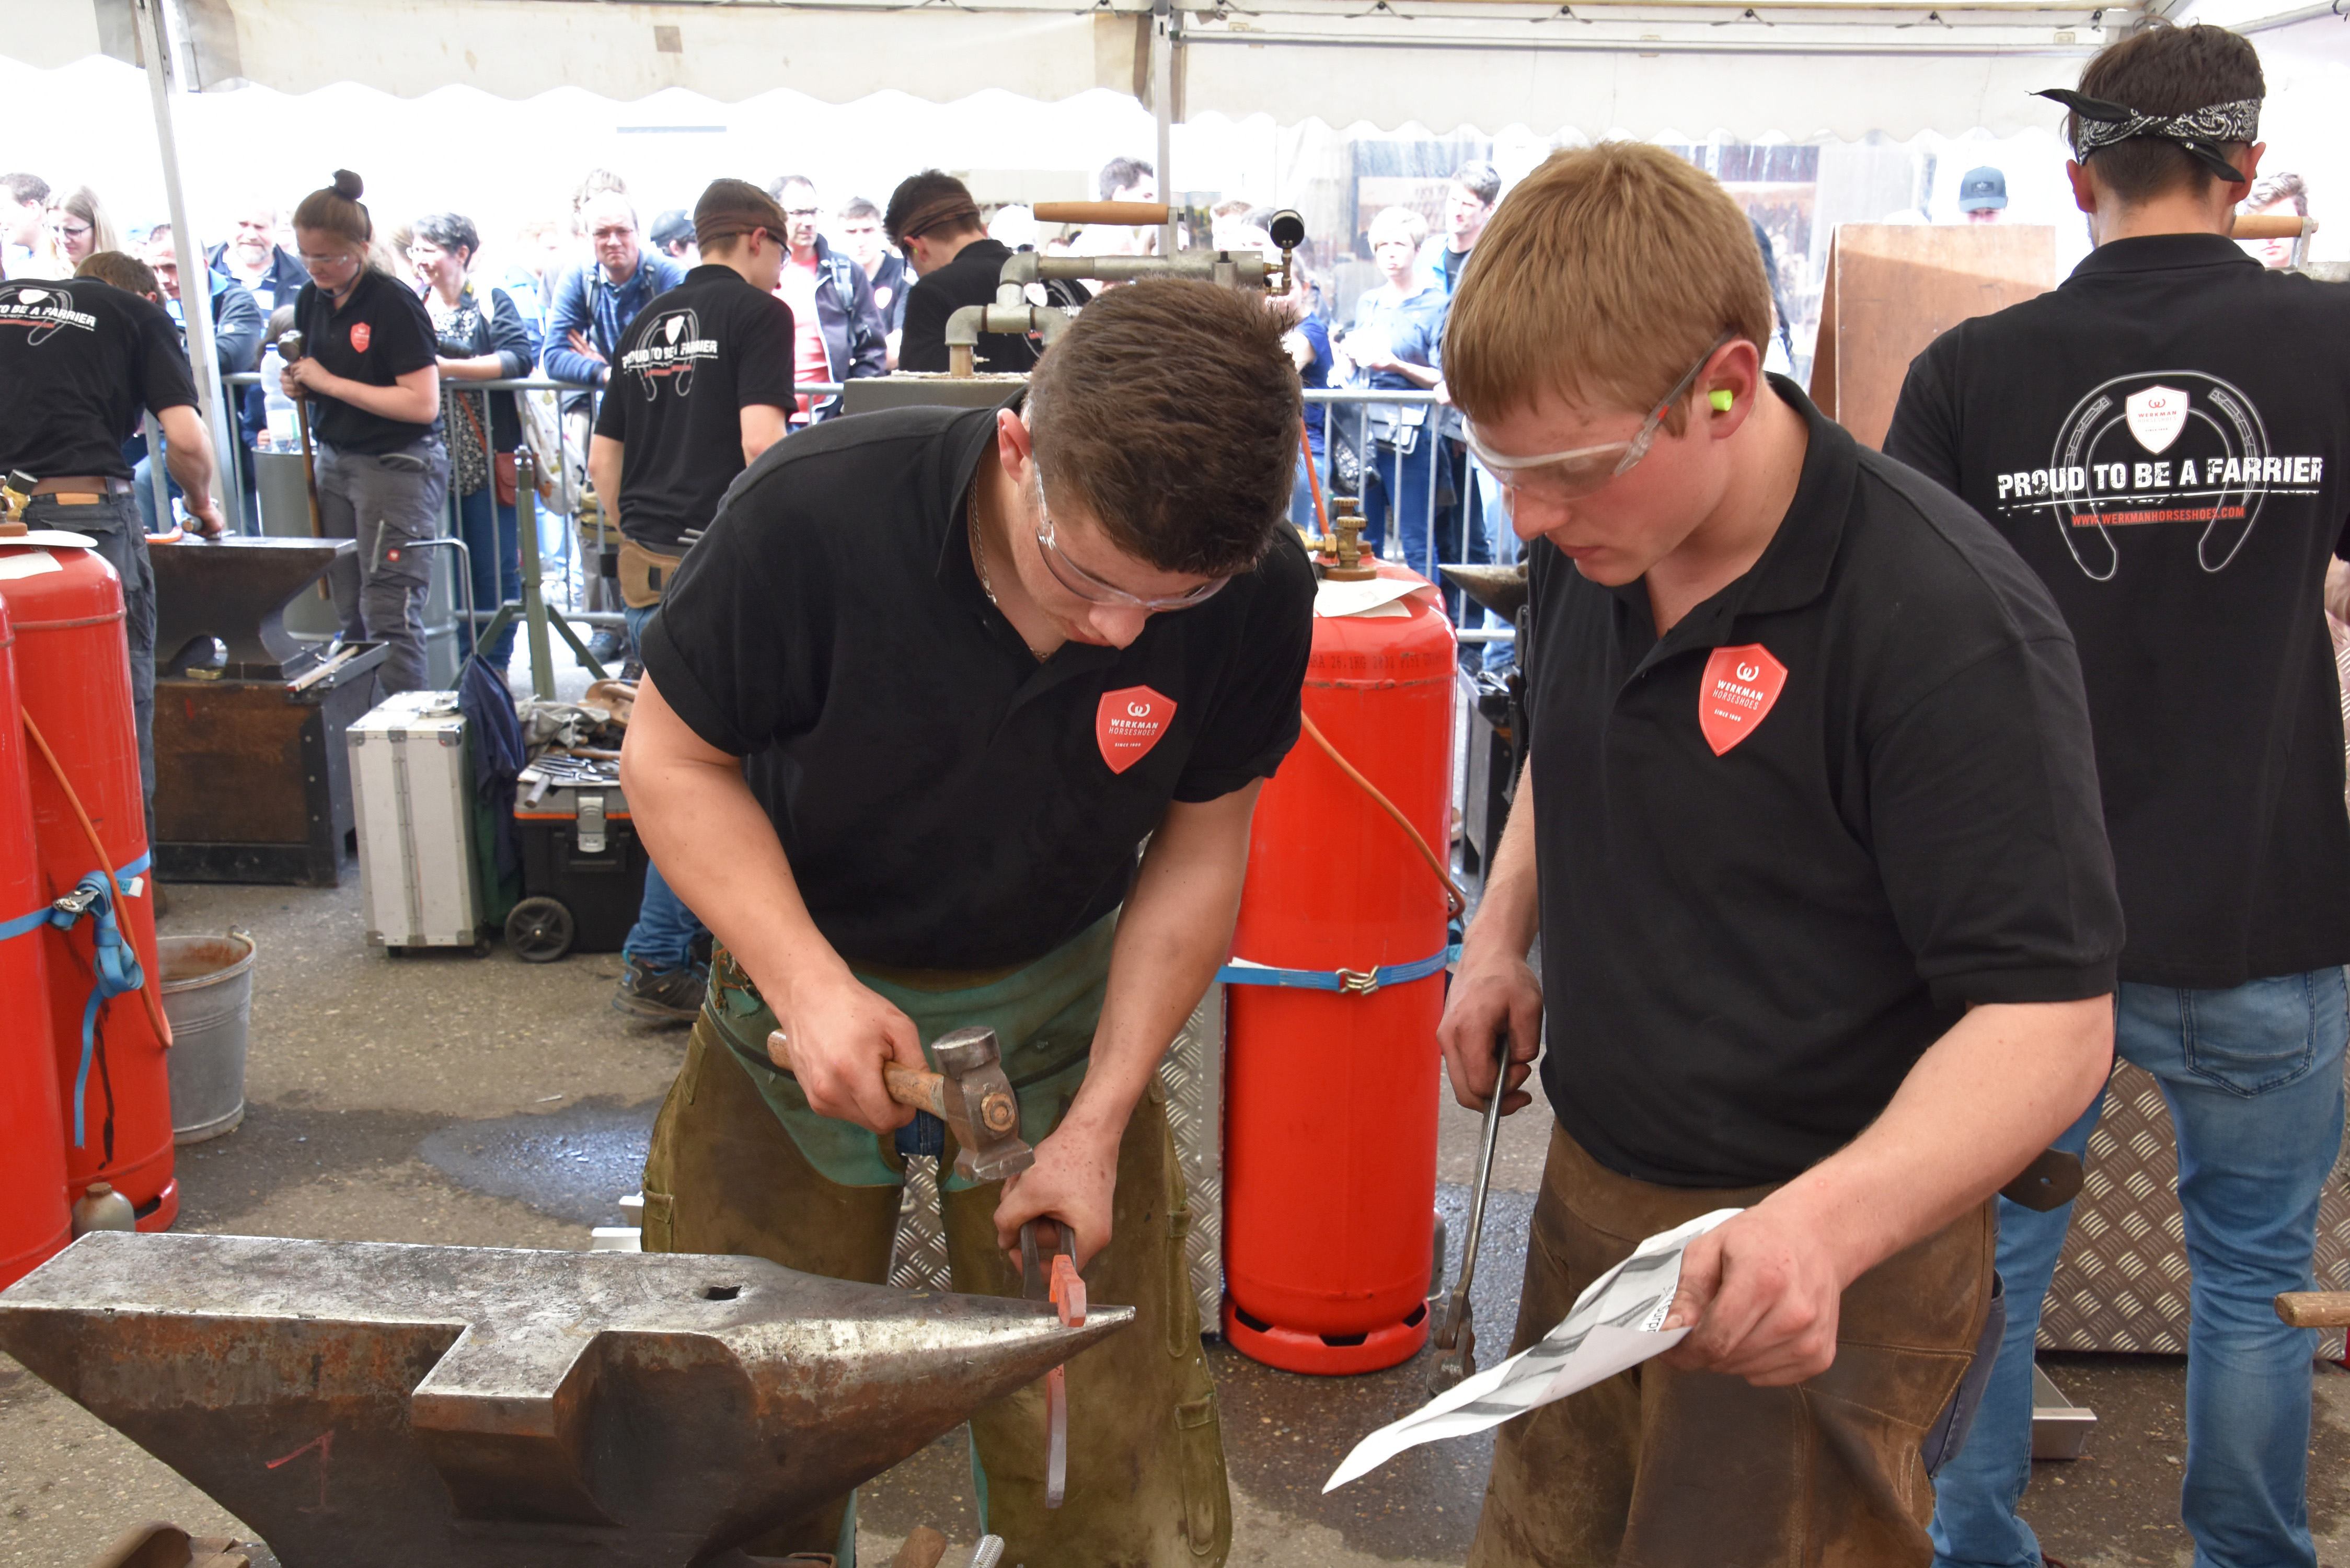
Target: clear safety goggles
x,y
1092,589
1564,476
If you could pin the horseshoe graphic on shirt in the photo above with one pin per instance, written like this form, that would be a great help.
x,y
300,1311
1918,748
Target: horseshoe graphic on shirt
x,y
671,346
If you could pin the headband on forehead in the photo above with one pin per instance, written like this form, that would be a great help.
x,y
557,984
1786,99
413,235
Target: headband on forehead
x,y
939,210
2202,131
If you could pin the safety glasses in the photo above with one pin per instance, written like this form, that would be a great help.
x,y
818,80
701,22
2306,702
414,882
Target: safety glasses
x,y
1092,589
1564,476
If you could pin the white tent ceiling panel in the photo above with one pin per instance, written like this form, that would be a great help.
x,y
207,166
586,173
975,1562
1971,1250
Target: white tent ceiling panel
x,y
49,35
518,49
1750,97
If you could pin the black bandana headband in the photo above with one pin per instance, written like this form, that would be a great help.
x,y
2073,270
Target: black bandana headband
x,y
2202,131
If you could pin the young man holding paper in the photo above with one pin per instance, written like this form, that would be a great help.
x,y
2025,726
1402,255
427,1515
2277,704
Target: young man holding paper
x,y
1810,835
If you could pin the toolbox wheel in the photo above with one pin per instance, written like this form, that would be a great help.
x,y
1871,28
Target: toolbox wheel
x,y
540,931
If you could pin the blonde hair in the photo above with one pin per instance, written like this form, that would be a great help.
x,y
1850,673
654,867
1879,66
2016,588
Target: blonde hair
x,y
1603,277
1408,219
82,203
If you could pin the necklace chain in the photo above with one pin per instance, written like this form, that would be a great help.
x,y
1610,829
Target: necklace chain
x,y
979,559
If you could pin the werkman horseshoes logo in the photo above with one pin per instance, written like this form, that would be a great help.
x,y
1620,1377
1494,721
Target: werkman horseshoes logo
x,y
2212,467
1128,722
1739,687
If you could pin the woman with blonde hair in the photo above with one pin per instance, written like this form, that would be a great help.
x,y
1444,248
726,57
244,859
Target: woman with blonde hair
x,y
74,228
370,366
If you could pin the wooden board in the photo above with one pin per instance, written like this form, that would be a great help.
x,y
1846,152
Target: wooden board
x,y
1892,288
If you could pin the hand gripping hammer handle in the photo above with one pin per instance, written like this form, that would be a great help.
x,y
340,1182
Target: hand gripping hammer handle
x,y
1455,1336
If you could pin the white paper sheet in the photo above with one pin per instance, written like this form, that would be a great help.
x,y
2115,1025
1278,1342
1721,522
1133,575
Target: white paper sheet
x,y
30,564
1332,599
1615,1323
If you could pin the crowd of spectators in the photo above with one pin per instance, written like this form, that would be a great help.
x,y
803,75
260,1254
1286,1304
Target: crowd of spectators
x,y
555,296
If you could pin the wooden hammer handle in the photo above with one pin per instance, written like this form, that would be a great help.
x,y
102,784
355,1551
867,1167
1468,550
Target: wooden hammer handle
x,y
2314,1309
1134,213
2266,226
912,1087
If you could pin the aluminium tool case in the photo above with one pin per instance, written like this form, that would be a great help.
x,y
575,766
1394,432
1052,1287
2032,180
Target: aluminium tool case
x,y
411,794
579,846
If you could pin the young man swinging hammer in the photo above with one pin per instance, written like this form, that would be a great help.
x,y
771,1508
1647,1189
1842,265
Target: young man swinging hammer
x,y
910,708
1810,834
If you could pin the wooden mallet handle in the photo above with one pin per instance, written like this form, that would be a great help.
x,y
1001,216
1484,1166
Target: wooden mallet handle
x,y
1134,214
2314,1309
912,1087
2266,226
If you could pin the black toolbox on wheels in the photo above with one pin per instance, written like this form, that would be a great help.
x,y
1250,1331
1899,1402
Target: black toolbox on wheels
x,y
583,870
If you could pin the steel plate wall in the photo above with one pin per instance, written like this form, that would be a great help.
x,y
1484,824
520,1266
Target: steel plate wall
x,y
2121,1284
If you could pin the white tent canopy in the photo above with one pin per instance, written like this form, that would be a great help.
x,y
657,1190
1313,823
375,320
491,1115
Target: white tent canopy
x,y
1749,72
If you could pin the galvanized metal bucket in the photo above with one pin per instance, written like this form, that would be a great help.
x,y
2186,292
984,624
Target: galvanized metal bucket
x,y
208,997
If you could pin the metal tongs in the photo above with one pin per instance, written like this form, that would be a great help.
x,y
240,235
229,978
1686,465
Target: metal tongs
x,y
1454,1333
1059,1283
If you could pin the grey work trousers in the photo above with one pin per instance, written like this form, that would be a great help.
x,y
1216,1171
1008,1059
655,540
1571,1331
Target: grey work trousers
x,y
387,502
114,527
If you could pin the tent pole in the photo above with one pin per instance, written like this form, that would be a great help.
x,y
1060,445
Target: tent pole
x,y
195,273
1162,109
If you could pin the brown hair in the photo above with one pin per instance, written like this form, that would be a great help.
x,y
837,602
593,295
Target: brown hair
x,y
124,272
730,209
2271,189
932,200
2164,70
1170,410
336,210
1604,275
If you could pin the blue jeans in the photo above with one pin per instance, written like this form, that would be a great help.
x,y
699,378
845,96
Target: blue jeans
x,y
1503,540
493,550
663,936
2254,1079
1301,496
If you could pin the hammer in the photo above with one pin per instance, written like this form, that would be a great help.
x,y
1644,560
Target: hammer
x,y
970,1093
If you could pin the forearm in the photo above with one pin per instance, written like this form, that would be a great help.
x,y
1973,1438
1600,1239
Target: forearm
x,y
1982,1101
718,851
1418,375
1172,938
415,405
604,456
480,367
190,463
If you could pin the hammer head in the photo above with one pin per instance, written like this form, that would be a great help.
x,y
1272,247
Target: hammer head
x,y
979,1106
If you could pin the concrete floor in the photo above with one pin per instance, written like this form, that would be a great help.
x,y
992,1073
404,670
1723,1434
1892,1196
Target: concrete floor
x,y
488,1102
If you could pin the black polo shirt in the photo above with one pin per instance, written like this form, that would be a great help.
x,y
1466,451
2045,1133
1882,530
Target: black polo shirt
x,y
946,801
78,359
688,366
2163,438
970,279
1784,848
380,334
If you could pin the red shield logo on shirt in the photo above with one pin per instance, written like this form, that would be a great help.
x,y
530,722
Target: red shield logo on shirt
x,y
360,336
1741,685
1128,723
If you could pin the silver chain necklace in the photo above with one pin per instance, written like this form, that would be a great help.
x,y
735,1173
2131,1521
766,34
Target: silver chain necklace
x,y
979,559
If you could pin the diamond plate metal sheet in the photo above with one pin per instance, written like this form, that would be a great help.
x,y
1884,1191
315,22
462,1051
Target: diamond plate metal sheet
x,y
1193,1073
2121,1284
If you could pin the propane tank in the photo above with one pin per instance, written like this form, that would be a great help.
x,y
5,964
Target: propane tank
x,y
100,1207
73,676
1330,1100
33,1216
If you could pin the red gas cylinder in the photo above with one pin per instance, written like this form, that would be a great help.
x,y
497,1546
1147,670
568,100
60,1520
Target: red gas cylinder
x,y
33,1218
73,679
1330,1095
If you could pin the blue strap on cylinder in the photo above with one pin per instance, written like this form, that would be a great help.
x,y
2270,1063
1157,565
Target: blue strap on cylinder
x,y
24,924
1356,981
114,967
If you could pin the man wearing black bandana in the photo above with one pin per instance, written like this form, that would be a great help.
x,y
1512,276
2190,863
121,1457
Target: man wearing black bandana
x,y
2162,439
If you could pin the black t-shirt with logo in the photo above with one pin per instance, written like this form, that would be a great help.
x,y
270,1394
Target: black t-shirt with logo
x,y
380,334
2162,440
1784,848
948,801
687,365
971,278
78,359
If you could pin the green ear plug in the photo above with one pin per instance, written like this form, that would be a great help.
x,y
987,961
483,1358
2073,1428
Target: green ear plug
x,y
1723,398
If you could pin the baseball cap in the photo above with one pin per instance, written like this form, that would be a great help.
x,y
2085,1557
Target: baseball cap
x,y
672,228
1982,189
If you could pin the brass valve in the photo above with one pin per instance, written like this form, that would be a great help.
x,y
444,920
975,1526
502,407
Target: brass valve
x,y
1342,552
16,494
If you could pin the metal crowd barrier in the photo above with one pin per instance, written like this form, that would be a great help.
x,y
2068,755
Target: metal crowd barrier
x,y
1433,457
